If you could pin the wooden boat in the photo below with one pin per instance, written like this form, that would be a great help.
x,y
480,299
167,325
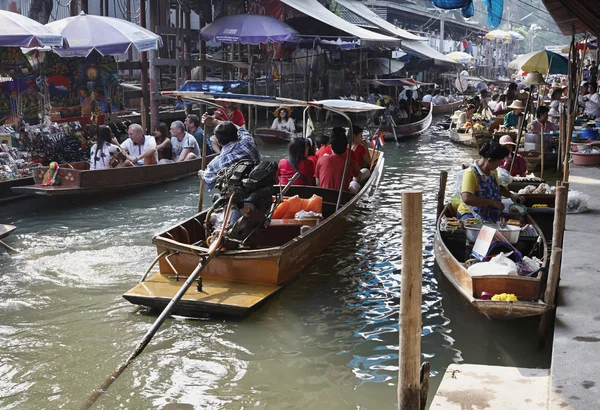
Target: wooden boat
x,y
78,179
276,137
445,108
6,230
468,138
405,131
451,252
6,193
235,281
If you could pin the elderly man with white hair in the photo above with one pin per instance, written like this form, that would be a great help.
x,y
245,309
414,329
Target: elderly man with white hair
x,y
185,147
139,149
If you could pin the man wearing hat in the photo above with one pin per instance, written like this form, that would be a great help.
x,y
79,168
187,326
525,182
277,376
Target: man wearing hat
x,y
520,167
282,121
511,119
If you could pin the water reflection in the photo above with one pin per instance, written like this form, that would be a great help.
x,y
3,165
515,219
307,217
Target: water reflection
x,y
329,340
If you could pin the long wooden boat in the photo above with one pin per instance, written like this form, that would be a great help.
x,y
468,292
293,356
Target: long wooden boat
x,y
450,254
445,108
6,230
77,179
236,281
6,192
275,137
405,131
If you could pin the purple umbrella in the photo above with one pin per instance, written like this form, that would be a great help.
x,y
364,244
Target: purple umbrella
x,y
248,29
107,35
20,31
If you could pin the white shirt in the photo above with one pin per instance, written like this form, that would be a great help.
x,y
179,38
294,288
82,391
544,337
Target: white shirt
x,y
102,160
451,98
592,105
287,126
440,100
137,150
427,98
187,142
464,73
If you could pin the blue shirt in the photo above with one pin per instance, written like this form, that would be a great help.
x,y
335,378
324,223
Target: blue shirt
x,y
242,149
199,135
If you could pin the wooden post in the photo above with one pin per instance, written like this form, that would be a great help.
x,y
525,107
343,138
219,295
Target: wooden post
x,y
560,217
441,194
154,77
542,145
561,139
144,74
410,301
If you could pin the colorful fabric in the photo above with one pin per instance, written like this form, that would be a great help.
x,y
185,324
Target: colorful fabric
x,y
494,8
231,153
475,182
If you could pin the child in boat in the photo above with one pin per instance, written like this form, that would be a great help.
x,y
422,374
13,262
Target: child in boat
x,y
163,142
104,149
330,168
296,161
481,193
323,147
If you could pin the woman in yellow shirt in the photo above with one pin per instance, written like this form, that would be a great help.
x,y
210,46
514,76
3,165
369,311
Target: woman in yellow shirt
x,y
481,193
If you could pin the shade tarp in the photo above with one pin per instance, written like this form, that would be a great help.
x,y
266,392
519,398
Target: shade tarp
x,y
494,9
316,10
544,62
359,9
422,50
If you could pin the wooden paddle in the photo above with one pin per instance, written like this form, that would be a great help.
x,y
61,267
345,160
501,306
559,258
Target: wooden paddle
x,y
8,249
203,168
213,251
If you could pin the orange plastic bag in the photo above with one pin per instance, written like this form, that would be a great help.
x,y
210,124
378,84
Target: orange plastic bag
x,y
290,206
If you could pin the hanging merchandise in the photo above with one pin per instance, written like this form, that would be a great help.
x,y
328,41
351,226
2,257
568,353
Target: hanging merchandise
x,y
494,7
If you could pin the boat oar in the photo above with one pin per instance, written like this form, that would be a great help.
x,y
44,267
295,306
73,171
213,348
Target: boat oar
x,y
8,249
203,168
213,251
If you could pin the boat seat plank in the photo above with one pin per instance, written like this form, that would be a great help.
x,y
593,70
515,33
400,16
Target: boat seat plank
x,y
226,294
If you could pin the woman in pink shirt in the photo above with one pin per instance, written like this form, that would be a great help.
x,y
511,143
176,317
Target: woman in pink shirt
x,y
296,162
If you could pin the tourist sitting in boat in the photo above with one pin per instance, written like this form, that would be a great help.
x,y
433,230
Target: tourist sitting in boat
x,y
511,119
466,117
140,149
542,122
236,144
104,150
520,167
282,121
330,168
163,142
402,112
481,193
192,125
360,150
449,96
296,161
429,96
439,99
183,144
323,147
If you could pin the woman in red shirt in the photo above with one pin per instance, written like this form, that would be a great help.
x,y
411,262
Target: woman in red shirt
x,y
296,162
360,153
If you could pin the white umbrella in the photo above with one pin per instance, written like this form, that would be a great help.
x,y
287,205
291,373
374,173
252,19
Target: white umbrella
x,y
20,31
515,36
498,35
461,57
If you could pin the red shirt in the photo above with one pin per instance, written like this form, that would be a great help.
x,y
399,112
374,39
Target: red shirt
x,y
313,159
520,168
237,117
325,149
356,155
285,171
330,169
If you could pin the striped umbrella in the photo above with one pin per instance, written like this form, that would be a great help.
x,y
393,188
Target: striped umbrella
x,y
498,35
545,62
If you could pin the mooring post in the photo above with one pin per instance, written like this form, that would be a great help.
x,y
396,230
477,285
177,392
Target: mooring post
x,y
410,301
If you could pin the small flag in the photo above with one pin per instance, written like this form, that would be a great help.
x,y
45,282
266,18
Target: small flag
x,y
381,139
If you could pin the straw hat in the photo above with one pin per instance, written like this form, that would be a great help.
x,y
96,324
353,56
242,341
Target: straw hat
x,y
517,105
278,110
534,78
506,140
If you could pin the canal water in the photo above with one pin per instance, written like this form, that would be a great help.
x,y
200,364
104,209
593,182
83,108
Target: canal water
x,y
327,341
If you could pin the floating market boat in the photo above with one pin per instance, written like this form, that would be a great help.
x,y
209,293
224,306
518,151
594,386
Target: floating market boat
x,y
237,280
275,137
6,193
451,251
6,230
469,138
446,108
77,179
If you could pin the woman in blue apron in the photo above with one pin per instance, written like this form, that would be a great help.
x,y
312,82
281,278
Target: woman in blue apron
x,y
481,193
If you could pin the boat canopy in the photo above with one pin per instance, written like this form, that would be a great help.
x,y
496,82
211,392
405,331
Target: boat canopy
x,y
270,101
397,82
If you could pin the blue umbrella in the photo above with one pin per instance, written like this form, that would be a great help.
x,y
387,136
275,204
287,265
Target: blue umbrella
x,y
20,31
248,29
107,35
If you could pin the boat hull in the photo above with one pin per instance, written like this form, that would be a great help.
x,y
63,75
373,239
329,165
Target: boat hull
x,y
6,191
262,270
406,131
446,108
79,180
274,137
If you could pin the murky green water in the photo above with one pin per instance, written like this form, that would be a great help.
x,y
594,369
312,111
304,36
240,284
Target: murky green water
x,y
327,341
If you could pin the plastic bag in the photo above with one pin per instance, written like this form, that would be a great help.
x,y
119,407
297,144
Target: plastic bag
x,y
504,176
577,202
458,182
498,265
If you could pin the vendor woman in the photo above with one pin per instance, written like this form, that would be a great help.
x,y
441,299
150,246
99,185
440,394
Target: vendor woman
x,y
511,119
541,121
481,193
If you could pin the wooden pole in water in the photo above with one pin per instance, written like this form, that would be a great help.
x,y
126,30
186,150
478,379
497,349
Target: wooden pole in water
x,y
560,217
204,143
410,301
441,193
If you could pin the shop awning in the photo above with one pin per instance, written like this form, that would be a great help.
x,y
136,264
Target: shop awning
x,y
575,15
316,10
420,49
359,9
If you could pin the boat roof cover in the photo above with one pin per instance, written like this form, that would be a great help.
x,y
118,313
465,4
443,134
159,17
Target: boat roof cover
x,y
359,9
316,10
268,101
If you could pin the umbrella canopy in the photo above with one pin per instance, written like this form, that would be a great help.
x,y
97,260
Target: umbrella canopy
x,y
460,57
107,35
515,36
20,31
248,29
498,35
545,62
